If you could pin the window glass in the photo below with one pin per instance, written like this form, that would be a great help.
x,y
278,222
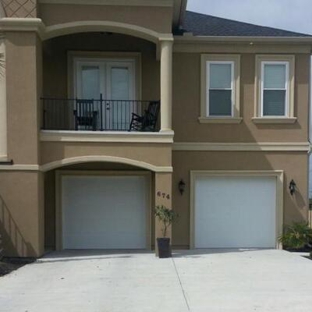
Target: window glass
x,y
220,89
274,102
274,90
90,82
220,102
274,76
120,83
220,76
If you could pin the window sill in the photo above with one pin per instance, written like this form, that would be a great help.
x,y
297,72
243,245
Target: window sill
x,y
274,120
220,120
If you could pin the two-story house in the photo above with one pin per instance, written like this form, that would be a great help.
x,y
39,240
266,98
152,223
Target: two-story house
x,y
106,105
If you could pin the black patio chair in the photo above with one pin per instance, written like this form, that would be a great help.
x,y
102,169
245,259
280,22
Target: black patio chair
x,y
148,121
85,115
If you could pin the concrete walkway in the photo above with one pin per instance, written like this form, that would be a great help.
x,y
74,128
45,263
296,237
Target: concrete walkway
x,y
244,281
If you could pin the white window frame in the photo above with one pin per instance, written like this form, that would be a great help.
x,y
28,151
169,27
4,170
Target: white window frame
x,y
206,61
208,89
286,88
260,62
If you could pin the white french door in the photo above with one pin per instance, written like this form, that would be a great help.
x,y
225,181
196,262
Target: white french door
x,y
110,80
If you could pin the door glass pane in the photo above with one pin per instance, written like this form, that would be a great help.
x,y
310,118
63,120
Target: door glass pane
x,y
220,76
120,83
220,103
90,76
120,94
274,76
274,102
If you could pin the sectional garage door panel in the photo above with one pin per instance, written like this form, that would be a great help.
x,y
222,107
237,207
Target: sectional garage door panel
x,y
104,212
235,212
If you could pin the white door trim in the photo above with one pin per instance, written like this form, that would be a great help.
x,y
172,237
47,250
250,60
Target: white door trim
x,y
278,174
104,64
58,199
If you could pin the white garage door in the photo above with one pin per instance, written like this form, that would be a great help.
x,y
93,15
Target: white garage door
x,y
104,212
235,212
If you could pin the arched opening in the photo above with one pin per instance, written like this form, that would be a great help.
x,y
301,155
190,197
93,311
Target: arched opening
x,y
96,79
99,205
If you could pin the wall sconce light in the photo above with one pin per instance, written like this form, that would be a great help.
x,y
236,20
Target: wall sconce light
x,y
292,187
181,186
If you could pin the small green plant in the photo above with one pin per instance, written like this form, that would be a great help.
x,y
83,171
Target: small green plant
x,y
166,216
296,235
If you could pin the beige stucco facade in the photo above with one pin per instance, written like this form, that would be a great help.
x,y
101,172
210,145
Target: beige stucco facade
x,y
39,64
186,109
158,19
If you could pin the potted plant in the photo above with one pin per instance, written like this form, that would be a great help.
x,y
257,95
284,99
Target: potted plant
x,y
166,216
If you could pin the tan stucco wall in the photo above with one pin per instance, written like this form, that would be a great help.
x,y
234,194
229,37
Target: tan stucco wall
x,y
186,105
155,154
162,184
294,164
155,18
21,217
55,60
23,72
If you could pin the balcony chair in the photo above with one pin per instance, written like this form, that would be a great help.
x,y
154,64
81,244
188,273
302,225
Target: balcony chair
x,y
148,121
85,115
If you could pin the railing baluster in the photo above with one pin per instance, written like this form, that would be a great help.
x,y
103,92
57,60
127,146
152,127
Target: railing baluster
x,y
98,114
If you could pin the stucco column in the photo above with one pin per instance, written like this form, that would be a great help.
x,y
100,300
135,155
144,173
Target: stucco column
x,y
22,213
163,196
166,85
3,103
23,91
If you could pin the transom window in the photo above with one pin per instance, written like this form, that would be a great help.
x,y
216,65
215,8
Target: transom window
x,y
220,93
274,88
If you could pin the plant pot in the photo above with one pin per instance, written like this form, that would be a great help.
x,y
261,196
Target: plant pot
x,y
164,248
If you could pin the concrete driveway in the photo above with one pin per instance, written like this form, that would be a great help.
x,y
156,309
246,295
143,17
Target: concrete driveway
x,y
260,280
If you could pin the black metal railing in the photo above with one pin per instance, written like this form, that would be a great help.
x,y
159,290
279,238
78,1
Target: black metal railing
x,y
91,114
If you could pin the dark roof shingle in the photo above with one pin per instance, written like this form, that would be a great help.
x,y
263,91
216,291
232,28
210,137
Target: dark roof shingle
x,y
207,25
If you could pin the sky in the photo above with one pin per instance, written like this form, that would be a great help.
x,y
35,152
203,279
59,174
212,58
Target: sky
x,y
295,15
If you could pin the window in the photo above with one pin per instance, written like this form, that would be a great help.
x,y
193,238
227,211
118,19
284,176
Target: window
x,y
220,88
274,89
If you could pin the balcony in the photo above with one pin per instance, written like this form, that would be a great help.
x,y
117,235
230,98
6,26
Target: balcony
x,y
100,115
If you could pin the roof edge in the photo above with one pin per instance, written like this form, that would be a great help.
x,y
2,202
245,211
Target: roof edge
x,y
179,9
209,25
189,38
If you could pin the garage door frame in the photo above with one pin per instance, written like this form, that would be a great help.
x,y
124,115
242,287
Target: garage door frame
x,y
58,199
278,174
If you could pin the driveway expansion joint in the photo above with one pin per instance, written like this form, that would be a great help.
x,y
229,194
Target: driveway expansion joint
x,y
183,291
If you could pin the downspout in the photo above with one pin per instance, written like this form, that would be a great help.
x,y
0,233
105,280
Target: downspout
x,y
309,138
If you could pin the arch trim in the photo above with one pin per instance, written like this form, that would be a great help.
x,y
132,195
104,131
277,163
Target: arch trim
x,y
116,27
113,159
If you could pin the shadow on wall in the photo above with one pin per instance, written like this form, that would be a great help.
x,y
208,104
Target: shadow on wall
x,y
12,238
